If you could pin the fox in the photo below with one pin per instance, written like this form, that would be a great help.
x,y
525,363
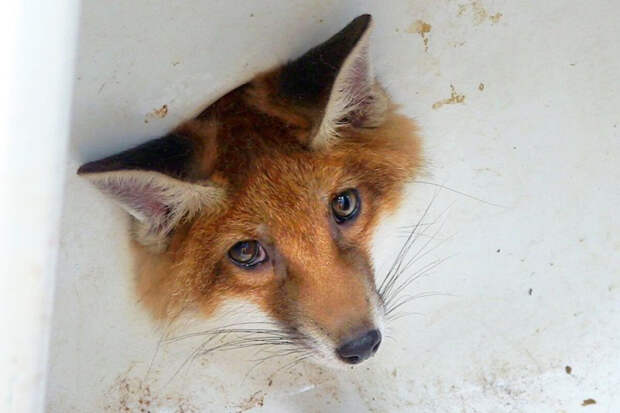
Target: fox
x,y
271,195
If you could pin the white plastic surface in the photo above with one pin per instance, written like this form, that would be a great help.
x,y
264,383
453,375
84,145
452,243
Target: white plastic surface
x,y
37,48
519,104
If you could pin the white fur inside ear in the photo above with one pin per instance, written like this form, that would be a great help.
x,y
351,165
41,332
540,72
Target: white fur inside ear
x,y
355,99
157,201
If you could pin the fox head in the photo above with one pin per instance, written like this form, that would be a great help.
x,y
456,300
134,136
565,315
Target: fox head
x,y
271,195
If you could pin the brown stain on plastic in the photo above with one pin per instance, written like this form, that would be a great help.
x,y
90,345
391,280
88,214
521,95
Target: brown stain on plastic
x,y
588,402
159,113
495,18
255,400
132,394
478,12
454,98
423,29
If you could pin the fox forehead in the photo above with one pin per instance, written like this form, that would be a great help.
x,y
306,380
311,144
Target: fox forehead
x,y
285,201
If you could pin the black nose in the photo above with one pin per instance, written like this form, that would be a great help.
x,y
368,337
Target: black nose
x,y
360,348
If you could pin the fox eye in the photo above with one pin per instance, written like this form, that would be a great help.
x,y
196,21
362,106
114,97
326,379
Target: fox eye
x,y
248,254
346,205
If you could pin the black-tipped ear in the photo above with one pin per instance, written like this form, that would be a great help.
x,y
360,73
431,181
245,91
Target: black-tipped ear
x,y
171,155
310,77
337,75
153,183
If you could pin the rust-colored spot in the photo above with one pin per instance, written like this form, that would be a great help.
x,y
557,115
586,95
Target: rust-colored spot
x,y
478,13
588,402
454,98
481,87
161,112
495,18
255,400
157,114
423,29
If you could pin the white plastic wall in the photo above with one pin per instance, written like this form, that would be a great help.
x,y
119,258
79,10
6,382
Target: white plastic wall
x,y
37,42
519,105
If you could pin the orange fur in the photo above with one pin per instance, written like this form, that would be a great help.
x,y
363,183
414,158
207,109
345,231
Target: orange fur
x,y
275,180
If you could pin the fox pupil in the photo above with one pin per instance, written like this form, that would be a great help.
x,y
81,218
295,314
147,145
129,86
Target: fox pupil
x,y
247,253
343,203
346,205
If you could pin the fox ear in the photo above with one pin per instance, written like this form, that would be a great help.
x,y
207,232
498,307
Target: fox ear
x,y
156,183
338,75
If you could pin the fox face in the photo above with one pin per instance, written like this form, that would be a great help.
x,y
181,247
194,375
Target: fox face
x,y
271,195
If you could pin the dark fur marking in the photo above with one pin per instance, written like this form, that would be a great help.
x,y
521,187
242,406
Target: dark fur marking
x,y
310,77
170,155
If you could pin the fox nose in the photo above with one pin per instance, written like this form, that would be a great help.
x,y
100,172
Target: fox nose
x,y
360,348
